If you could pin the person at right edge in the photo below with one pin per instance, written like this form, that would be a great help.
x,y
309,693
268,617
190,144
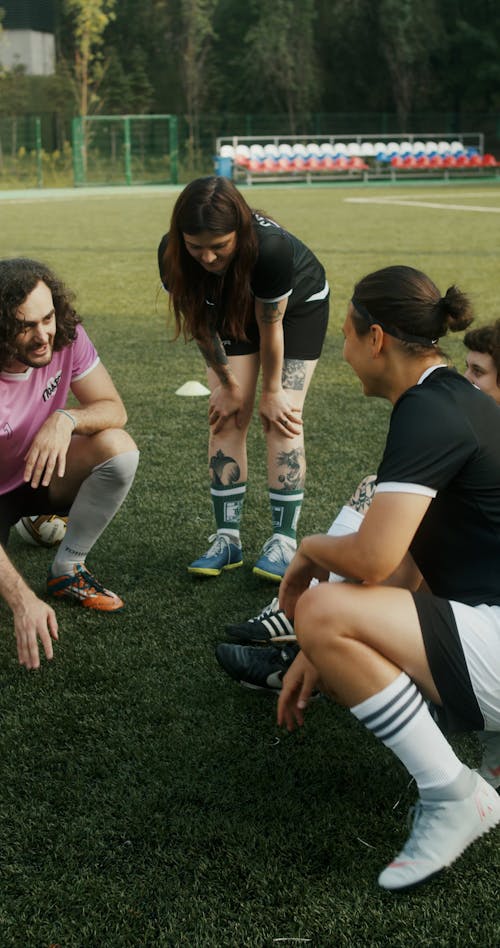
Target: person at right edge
x,y
418,626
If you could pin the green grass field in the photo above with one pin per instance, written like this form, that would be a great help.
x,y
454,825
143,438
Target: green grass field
x,y
147,800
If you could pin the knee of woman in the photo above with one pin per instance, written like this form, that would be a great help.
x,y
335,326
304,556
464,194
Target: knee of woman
x,y
321,611
311,613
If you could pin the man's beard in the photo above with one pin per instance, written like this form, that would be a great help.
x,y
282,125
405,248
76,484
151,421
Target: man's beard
x,y
33,363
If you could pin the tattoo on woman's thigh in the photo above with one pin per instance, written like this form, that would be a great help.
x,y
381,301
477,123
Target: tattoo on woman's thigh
x,y
293,374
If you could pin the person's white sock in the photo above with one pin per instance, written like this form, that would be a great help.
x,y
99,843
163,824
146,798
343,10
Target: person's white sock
x,y
400,718
96,503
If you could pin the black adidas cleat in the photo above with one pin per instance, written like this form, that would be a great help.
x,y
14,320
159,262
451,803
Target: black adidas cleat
x,y
269,625
254,667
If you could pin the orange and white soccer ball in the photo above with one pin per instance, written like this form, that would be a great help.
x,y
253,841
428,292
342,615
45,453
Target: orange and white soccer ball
x,y
42,530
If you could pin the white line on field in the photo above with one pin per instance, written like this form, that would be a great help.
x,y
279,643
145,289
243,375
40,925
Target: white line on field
x,y
432,204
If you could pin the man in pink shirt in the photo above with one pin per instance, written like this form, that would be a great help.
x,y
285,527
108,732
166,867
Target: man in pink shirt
x,y
55,459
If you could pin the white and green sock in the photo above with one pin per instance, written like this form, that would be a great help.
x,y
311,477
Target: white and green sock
x,y
228,508
285,512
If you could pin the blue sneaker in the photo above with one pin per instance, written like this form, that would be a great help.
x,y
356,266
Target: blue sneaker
x,y
277,553
222,554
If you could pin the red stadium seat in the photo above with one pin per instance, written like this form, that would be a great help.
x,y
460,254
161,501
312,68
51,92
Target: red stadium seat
x,y
254,165
489,161
341,163
284,164
269,164
356,163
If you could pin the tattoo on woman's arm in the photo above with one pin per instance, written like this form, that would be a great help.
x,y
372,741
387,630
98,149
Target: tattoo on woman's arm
x,y
213,351
272,312
215,357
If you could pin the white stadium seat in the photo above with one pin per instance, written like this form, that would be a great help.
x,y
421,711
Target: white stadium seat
x,y
271,151
257,151
444,148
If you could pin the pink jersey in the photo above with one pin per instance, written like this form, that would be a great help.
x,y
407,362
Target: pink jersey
x,y
27,400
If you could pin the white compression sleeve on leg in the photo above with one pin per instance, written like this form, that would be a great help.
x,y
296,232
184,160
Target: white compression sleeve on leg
x,y
96,503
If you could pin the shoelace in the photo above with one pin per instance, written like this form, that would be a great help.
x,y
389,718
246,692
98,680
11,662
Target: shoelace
x,y
85,580
219,543
267,611
274,549
420,819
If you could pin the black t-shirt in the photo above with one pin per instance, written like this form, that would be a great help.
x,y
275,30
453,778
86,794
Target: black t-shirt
x,y
444,437
285,267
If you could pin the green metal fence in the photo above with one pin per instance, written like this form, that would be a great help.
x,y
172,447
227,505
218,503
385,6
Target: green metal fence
x,y
125,149
54,150
21,153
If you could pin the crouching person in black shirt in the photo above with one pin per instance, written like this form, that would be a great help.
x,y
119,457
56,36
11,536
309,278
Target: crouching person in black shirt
x,y
379,649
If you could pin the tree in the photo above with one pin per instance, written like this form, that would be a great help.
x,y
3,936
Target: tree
x,y
89,20
141,89
279,63
468,69
115,88
409,32
196,39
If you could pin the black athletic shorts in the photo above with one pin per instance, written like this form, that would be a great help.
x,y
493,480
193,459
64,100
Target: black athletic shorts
x,y
24,501
460,710
304,333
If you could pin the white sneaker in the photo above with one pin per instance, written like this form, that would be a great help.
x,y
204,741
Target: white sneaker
x,y
442,830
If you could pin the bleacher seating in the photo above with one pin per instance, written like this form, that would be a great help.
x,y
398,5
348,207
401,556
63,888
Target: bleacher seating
x,y
359,157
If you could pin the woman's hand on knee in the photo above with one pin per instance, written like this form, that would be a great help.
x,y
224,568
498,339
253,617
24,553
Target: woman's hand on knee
x,y
275,410
225,402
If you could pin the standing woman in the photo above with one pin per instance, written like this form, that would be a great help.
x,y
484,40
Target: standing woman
x,y
253,297
379,649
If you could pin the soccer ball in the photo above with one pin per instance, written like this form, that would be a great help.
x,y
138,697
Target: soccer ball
x,y
43,530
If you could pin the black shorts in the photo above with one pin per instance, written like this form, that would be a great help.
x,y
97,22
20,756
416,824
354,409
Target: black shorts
x,y
460,710
304,333
24,501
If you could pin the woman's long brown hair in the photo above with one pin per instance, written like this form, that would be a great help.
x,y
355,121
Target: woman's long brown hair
x,y
209,204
